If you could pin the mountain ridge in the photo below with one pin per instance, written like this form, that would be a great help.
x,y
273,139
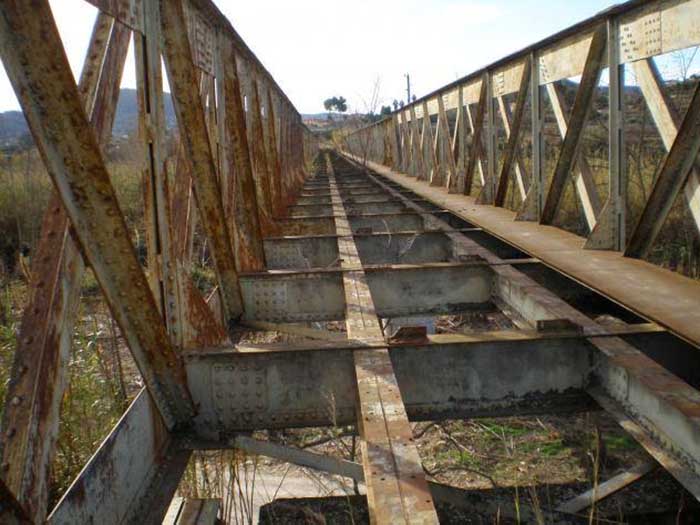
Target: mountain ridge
x,y
14,131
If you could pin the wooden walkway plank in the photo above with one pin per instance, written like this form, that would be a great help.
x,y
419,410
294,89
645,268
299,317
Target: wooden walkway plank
x,y
607,488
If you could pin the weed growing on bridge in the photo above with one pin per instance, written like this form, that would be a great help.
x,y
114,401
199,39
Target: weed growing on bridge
x,y
228,475
24,194
11,303
102,377
103,380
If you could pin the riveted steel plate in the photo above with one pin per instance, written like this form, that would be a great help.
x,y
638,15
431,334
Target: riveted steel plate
x,y
202,38
285,255
269,298
315,296
641,38
127,12
507,79
239,390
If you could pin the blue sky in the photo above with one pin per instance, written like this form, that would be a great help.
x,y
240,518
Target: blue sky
x,y
319,48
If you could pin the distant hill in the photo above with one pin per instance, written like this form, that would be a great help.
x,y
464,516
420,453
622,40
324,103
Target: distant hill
x,y
14,130
12,124
126,119
319,122
317,116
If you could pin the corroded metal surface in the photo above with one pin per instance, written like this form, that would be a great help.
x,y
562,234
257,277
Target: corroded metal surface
x,y
201,328
193,512
122,481
403,289
513,130
397,491
51,103
70,124
363,250
669,182
38,378
246,219
579,113
629,35
260,158
191,119
624,373
127,12
672,305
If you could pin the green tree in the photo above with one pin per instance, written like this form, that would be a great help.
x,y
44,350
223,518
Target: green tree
x,y
329,103
341,104
338,104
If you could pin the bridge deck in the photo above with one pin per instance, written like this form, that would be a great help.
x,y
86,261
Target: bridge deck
x,y
664,297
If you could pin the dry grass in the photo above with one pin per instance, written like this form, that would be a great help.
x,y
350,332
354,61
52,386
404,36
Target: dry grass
x,y
102,377
522,451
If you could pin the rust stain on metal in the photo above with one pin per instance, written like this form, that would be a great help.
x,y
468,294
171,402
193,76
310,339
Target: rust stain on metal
x,y
127,12
58,268
85,208
246,211
397,491
204,329
193,126
273,155
182,207
51,102
410,334
242,201
259,157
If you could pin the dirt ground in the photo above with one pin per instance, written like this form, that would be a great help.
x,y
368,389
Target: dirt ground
x,y
498,461
353,511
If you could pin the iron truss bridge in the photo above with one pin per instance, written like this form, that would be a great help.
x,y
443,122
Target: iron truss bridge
x,y
407,219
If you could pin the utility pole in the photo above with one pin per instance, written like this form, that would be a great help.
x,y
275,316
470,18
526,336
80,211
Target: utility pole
x,y
408,88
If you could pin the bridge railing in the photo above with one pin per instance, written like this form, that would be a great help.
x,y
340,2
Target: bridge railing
x,y
241,157
485,135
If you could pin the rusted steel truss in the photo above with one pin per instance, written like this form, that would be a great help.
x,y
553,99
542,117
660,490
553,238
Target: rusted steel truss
x,y
617,39
158,309
355,242
624,380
